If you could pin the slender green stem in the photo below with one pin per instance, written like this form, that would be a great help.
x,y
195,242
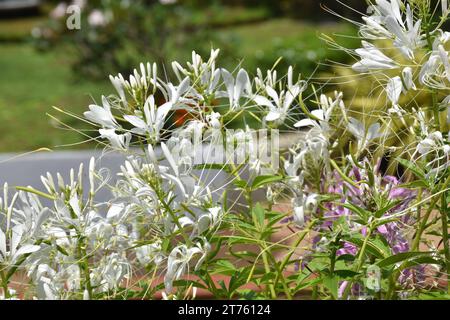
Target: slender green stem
x,y
279,276
83,265
315,292
359,262
444,210
289,255
4,285
211,284
37,192
424,221
267,269
414,247
416,243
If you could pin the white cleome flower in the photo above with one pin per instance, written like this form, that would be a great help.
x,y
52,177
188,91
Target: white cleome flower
x,y
279,103
364,137
389,20
394,89
151,121
117,141
372,59
15,237
235,88
303,206
322,116
102,115
179,260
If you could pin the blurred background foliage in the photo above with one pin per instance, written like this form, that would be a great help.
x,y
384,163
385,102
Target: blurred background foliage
x,y
44,64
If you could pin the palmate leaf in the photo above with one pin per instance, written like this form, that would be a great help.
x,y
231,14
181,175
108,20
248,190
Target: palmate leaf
x,y
244,255
187,283
274,217
267,277
305,284
224,267
218,244
400,257
238,280
245,226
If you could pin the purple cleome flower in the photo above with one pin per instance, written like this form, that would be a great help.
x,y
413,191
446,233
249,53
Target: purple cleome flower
x,y
362,196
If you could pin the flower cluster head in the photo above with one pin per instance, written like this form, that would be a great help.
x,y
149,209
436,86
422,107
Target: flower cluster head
x,y
163,210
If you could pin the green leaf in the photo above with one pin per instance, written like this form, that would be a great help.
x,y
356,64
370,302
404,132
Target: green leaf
x,y
247,294
303,285
384,221
187,283
238,280
241,184
346,273
37,192
383,245
213,166
165,244
261,181
414,184
400,257
382,211
331,283
274,218
258,214
267,277
371,247
433,296
411,166
346,257
422,260
217,248
248,255
225,200
362,213
246,226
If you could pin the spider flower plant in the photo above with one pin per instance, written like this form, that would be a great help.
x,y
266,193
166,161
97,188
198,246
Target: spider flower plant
x,y
185,208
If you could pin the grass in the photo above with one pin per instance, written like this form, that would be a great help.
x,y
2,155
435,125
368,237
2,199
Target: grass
x,y
296,41
262,35
224,15
31,82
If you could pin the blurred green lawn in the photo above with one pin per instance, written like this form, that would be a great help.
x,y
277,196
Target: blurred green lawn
x,y
31,82
298,43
